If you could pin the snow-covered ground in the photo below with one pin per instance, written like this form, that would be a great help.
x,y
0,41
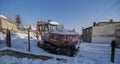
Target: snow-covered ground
x,y
89,53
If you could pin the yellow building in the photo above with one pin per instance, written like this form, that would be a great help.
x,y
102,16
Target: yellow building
x,y
26,27
5,23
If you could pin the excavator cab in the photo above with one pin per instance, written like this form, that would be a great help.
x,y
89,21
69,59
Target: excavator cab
x,y
46,27
50,26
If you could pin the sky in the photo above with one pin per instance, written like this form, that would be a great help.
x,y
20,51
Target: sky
x,y
73,14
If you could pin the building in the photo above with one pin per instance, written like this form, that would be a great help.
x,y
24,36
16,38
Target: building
x,y
5,23
87,34
117,38
26,27
102,32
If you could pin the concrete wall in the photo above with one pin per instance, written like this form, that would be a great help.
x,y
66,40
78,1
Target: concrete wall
x,y
87,34
117,38
102,40
103,34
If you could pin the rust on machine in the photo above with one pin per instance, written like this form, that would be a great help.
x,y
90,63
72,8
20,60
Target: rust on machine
x,y
38,32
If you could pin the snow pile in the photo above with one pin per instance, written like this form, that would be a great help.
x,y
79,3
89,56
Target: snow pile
x,y
20,35
33,35
14,60
89,53
24,35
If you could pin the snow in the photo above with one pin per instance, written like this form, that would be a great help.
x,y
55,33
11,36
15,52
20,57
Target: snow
x,y
53,22
13,60
2,16
102,39
20,35
65,32
90,53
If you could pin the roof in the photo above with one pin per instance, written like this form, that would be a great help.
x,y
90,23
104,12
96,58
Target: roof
x,y
2,16
111,21
88,27
103,23
5,18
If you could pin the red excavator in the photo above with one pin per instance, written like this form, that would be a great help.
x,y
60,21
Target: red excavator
x,y
56,39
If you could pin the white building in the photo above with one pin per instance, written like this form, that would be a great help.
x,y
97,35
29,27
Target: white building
x,y
102,32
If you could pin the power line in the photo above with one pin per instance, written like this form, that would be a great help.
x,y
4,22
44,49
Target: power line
x,y
106,11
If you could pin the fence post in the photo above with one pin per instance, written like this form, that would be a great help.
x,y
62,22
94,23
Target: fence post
x,y
8,38
28,40
113,45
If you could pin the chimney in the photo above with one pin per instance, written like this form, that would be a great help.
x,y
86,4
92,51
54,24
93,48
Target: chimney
x,y
94,23
111,20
